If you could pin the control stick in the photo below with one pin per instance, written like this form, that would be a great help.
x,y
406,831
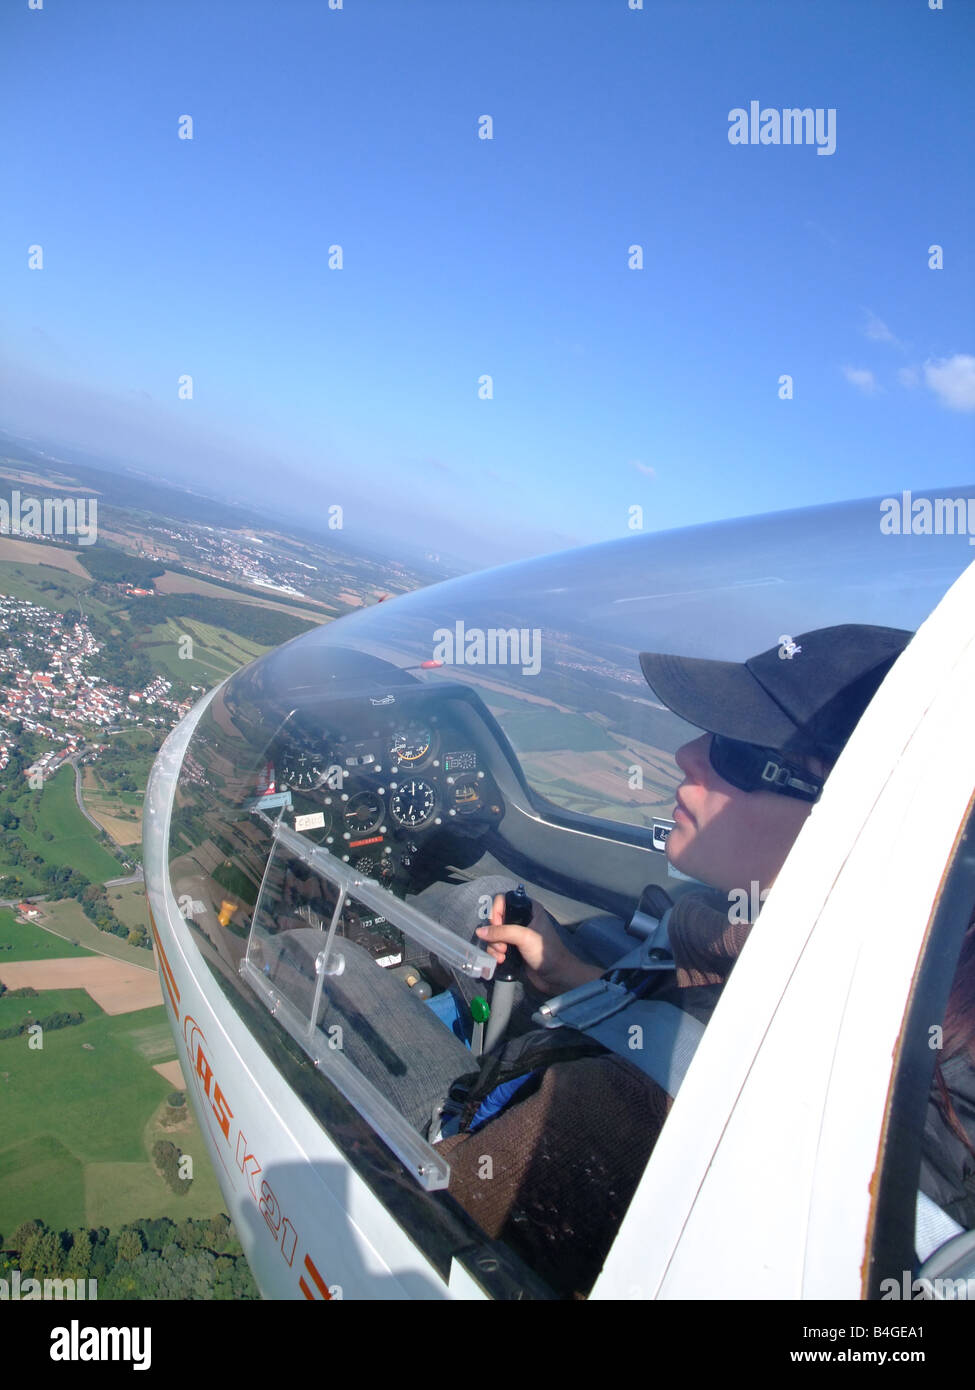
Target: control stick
x,y
518,910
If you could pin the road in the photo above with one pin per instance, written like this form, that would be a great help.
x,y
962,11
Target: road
x,y
73,760
113,948
137,876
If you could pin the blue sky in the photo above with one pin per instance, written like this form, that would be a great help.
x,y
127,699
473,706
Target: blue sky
x,y
613,387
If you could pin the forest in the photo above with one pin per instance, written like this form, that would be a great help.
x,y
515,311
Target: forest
x,y
146,1259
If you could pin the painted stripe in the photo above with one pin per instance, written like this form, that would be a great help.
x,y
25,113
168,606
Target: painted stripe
x,y
305,1289
164,958
165,971
309,1265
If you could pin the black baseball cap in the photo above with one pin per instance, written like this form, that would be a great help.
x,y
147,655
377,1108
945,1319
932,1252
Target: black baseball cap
x,y
806,703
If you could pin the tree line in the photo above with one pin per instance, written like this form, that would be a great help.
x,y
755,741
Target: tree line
x,y
147,1259
61,881
262,625
166,1156
115,567
61,1019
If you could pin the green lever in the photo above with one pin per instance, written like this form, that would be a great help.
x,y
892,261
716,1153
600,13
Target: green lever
x,y
480,1013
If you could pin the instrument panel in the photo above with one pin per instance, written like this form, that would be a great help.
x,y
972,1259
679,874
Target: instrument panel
x,y
375,788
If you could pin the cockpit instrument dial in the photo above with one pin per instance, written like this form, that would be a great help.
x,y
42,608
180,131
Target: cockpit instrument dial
x,y
363,813
301,771
412,744
467,793
413,803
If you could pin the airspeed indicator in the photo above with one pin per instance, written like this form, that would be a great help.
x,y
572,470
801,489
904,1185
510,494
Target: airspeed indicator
x,y
412,744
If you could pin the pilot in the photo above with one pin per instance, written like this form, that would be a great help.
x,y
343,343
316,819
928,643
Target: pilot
x,y
567,1152
775,728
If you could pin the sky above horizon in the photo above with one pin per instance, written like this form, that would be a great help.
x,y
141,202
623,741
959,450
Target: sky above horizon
x,y
465,258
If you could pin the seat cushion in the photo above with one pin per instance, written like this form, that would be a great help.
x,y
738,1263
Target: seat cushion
x,y
392,1038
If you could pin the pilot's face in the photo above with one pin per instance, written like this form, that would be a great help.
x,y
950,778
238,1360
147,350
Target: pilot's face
x,y
724,836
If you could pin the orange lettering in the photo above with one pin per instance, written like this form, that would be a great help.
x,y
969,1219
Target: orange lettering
x,y
222,1110
269,1209
203,1069
247,1163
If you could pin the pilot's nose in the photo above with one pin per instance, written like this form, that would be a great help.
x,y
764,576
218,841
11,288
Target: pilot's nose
x,y
692,757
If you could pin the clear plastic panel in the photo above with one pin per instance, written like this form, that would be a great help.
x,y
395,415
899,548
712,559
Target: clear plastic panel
x,y
319,953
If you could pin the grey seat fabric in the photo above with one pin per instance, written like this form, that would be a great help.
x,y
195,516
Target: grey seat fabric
x,y
392,1037
456,906
655,1037
388,1034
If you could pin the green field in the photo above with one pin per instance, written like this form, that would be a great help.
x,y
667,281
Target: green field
x,y
32,884
133,800
28,942
549,731
63,1088
42,584
79,1122
138,765
120,812
69,921
74,842
496,701
50,587
128,902
120,1192
216,652
140,754
45,1002
40,1179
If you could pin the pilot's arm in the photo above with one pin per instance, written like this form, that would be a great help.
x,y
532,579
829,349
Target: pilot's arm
x,y
550,967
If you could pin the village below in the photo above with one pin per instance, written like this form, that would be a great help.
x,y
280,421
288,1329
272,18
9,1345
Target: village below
x,y
104,645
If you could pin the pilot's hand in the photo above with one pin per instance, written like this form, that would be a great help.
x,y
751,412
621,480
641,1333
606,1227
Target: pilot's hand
x,y
549,966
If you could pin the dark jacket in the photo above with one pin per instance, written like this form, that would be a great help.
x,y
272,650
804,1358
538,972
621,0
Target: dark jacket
x,y
554,1173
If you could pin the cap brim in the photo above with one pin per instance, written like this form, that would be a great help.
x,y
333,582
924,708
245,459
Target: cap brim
x,y
720,697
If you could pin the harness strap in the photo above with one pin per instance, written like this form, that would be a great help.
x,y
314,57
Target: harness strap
x,y
657,1038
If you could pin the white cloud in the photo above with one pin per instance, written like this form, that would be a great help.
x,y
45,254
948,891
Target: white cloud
x,y
952,379
909,376
876,329
644,468
863,379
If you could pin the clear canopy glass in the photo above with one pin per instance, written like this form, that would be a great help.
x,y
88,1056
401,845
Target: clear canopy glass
x,y
340,796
